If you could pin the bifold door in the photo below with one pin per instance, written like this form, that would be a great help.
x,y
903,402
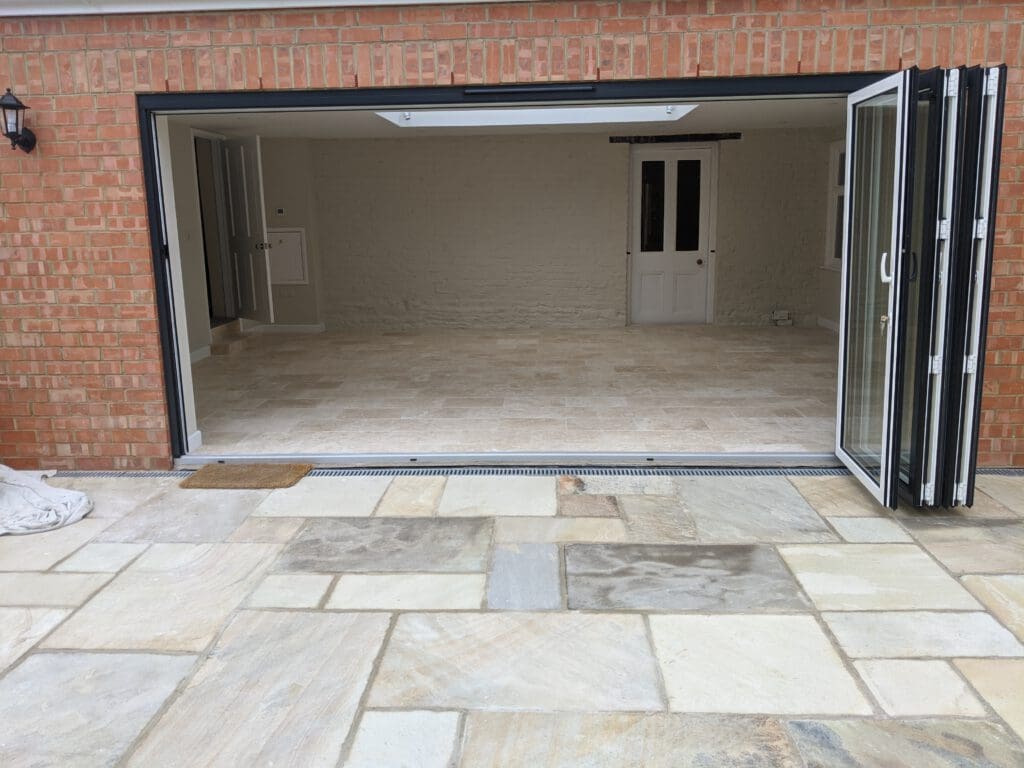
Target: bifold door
x,y
921,174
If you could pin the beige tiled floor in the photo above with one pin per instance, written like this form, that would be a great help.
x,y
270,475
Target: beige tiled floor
x,y
716,621
686,389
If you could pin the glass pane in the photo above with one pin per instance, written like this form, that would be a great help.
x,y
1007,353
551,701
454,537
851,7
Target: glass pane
x,y
867,321
688,205
837,246
652,205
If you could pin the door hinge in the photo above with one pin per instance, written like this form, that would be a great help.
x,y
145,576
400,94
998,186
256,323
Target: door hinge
x,y
971,364
980,228
992,82
953,83
928,494
943,229
935,364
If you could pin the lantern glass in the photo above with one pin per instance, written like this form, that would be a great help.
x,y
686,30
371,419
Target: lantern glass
x,y
13,114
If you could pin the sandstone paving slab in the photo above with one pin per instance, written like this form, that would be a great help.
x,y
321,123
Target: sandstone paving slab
x,y
1000,682
1007,490
290,590
175,597
518,661
918,687
263,698
182,515
49,589
114,497
837,496
559,530
41,551
499,496
758,664
267,529
972,546
1003,596
525,577
853,577
355,496
388,544
411,497
82,710
869,530
587,505
408,592
404,740
21,628
909,634
657,519
629,485
102,557
936,743
680,578
750,510
613,740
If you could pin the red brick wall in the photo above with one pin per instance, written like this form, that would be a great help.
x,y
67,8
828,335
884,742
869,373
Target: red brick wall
x,y
80,367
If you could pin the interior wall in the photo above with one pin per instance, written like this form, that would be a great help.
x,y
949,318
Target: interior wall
x,y
287,174
472,231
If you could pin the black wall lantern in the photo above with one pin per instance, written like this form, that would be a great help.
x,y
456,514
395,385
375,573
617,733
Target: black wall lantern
x,y
13,113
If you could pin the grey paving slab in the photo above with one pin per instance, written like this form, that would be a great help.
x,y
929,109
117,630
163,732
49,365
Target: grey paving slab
x,y
966,545
680,578
934,743
388,544
524,577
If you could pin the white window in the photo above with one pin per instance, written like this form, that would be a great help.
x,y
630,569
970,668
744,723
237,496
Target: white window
x,y
836,201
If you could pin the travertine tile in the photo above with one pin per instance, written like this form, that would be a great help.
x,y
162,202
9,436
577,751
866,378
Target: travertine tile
x,y
173,598
752,664
411,497
933,743
388,544
498,495
679,578
290,590
921,634
21,628
408,592
325,497
1000,682
614,740
1003,596
102,557
286,706
587,505
49,589
869,530
82,710
1007,490
40,551
972,546
267,530
518,661
657,520
404,740
182,515
524,577
855,577
563,529
918,687
837,496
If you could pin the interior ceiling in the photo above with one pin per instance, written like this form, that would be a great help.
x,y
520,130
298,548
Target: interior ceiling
x,y
709,117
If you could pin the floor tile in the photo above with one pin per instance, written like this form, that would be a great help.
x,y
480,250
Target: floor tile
x,y
290,590
173,598
82,710
657,520
629,485
114,497
498,496
1008,491
587,505
563,529
1003,596
1000,682
411,497
49,589
404,740
648,577
869,530
388,544
748,510
614,740
186,516
409,592
858,577
918,687
921,634
518,661
288,707
102,557
257,530
878,743
972,546
21,628
41,551
753,664
325,497
525,577
837,496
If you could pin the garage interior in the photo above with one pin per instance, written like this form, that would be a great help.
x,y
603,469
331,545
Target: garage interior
x,y
472,289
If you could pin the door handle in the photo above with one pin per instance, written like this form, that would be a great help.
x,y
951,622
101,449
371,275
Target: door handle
x,y
886,277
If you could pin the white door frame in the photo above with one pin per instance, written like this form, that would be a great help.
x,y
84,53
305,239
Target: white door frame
x,y
638,152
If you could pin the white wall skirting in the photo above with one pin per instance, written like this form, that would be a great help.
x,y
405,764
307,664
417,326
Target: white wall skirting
x,y
831,325
290,328
199,354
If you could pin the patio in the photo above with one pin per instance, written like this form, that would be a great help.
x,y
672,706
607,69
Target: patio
x,y
595,620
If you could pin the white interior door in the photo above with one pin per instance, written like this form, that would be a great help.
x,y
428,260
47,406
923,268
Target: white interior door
x,y
247,237
672,233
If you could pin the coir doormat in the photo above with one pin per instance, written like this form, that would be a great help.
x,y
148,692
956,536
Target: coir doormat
x,y
239,476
